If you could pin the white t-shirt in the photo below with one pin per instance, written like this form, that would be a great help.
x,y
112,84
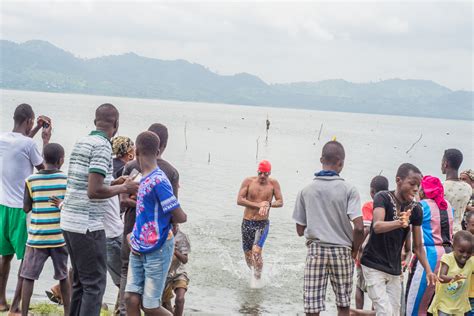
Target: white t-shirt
x,y
113,224
18,155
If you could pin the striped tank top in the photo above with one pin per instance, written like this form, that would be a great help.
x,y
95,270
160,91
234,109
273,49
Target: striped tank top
x,y
44,230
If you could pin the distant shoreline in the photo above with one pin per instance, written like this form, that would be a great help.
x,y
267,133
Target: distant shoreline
x,y
235,104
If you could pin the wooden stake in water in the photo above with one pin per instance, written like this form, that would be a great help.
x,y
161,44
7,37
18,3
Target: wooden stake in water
x,y
413,145
256,153
320,130
185,135
268,127
209,159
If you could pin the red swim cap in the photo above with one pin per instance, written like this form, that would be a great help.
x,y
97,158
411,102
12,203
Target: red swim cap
x,y
264,166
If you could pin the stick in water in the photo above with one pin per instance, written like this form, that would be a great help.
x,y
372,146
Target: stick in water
x,y
320,130
185,135
256,153
413,145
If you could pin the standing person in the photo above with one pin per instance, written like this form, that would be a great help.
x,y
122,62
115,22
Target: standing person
x,y
123,149
18,155
177,280
470,228
88,188
457,192
45,238
378,184
452,290
151,240
323,213
394,212
437,229
468,177
256,195
128,201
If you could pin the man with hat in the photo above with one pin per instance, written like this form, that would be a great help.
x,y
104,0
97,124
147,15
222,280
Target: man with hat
x,y
257,194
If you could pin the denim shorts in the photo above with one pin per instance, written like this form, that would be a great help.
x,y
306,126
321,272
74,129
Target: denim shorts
x,y
147,274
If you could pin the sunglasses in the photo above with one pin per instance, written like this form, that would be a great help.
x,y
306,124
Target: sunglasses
x,y
264,173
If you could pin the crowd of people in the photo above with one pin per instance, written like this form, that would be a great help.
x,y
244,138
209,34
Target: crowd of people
x,y
117,210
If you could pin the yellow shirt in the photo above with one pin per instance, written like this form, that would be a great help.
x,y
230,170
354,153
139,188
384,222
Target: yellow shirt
x,y
471,290
453,298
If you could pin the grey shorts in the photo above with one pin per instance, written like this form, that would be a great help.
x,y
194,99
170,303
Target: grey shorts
x,y
36,257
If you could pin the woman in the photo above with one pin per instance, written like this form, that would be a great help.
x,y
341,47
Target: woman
x,y
468,177
437,238
124,151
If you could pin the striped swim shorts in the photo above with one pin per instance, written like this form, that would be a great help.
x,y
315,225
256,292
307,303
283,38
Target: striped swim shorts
x,y
321,262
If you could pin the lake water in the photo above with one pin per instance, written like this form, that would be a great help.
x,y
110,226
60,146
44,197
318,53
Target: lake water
x,y
222,143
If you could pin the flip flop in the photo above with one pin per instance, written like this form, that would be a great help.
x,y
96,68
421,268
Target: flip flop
x,y
53,298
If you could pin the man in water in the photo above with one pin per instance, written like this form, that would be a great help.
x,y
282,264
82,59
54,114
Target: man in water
x,y
256,195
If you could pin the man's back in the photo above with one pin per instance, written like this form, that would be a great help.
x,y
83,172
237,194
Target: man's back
x,y
326,207
92,153
18,155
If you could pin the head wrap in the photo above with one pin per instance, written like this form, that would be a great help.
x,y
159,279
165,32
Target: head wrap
x,y
469,173
433,189
264,166
121,145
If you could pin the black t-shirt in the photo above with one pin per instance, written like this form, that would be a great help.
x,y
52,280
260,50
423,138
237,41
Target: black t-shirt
x,y
383,251
170,172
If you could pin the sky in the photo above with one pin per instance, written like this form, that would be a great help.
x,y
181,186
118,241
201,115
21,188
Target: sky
x,y
277,41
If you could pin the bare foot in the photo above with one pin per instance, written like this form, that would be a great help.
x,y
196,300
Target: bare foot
x,y
4,307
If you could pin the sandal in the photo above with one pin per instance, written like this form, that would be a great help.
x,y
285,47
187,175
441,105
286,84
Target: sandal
x,y
54,298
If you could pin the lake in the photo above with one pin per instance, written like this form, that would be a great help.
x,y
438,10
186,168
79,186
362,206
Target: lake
x,y
224,145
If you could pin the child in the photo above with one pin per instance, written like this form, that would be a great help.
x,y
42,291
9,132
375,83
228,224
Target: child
x,y
378,183
177,276
151,240
394,212
452,291
470,228
45,238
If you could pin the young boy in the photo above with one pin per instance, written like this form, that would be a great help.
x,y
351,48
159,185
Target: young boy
x,y
378,184
394,212
452,292
45,238
325,212
151,240
177,276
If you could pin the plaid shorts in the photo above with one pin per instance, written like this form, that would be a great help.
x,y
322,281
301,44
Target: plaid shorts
x,y
321,262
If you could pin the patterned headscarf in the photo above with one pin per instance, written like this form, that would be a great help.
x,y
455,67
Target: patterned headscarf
x,y
121,145
469,173
434,190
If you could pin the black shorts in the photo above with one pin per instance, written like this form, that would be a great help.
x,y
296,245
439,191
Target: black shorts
x,y
36,257
254,233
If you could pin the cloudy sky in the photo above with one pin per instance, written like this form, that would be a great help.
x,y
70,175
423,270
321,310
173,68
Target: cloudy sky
x,y
277,41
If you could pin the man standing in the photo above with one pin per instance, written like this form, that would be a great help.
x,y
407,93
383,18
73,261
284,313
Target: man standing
x,y
88,188
256,195
457,192
323,213
18,155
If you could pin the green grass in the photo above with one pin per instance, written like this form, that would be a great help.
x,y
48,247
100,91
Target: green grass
x,y
46,308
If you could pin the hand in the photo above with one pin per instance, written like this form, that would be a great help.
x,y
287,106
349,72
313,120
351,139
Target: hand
x,y
131,186
263,211
55,201
42,119
355,254
119,180
130,245
431,278
458,277
46,134
405,218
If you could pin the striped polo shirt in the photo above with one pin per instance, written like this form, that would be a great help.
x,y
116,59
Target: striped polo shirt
x,y
91,154
44,230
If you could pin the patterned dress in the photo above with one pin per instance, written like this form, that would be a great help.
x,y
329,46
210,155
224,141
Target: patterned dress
x,y
437,230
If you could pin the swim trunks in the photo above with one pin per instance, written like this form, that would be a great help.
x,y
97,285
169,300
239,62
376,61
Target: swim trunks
x,y
254,233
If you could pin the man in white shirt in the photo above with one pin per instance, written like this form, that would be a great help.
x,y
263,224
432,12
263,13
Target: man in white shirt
x,y
18,155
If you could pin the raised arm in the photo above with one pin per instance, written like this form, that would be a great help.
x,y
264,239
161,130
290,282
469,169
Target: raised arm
x,y
277,194
380,225
242,197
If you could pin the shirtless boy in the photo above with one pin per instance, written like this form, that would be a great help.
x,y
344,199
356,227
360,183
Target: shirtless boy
x,y
256,195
